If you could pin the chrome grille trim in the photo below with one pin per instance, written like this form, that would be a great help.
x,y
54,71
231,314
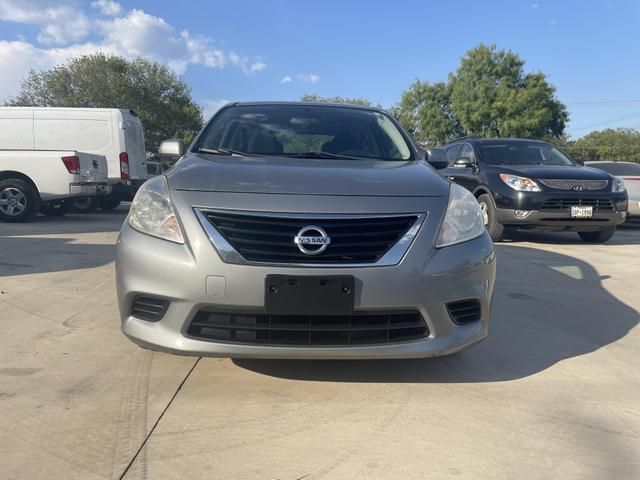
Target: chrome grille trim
x,y
229,254
562,184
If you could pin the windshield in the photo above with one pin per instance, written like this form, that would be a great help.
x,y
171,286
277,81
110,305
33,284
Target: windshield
x,y
523,153
306,130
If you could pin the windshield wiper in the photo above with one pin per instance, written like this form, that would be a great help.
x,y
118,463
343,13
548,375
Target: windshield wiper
x,y
225,151
324,155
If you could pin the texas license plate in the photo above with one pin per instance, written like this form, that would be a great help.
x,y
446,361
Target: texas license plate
x,y
582,212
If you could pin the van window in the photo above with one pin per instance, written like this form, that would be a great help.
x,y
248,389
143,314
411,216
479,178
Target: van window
x,y
72,134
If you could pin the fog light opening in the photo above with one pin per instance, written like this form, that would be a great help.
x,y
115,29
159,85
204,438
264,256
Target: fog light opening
x,y
522,213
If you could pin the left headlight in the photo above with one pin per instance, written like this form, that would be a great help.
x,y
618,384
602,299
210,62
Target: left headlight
x,y
617,185
152,212
521,184
463,220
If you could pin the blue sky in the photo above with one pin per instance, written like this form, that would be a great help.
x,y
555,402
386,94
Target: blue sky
x,y
281,49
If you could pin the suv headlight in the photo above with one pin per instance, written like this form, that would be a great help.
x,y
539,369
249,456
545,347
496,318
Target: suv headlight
x,y
463,219
522,184
617,185
152,213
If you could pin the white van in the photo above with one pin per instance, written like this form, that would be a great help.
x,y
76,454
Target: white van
x,y
113,132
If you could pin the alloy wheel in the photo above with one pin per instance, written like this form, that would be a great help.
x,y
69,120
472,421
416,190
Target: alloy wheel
x,y
12,202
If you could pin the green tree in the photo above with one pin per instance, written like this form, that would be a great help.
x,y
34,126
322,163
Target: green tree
x,y
425,112
621,144
161,99
489,95
312,97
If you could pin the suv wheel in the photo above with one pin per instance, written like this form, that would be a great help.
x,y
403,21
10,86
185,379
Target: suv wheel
x,y
19,200
85,204
600,236
494,227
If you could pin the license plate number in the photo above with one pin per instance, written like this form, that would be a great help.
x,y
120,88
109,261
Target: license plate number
x,y
582,212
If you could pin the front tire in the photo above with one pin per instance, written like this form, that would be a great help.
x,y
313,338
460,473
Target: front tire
x,y
55,208
494,227
85,204
19,200
600,236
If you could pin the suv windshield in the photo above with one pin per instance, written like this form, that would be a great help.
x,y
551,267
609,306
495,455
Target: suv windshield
x,y
523,153
305,131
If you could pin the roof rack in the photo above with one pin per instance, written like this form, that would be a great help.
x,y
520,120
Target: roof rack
x,y
466,137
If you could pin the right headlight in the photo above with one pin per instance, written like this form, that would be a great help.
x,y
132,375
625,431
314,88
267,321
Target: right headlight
x,y
152,212
617,185
463,220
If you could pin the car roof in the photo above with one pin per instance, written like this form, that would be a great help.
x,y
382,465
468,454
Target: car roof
x,y
306,104
496,140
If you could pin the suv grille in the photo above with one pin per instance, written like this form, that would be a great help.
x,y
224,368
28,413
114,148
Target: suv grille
x,y
270,239
575,184
558,204
356,329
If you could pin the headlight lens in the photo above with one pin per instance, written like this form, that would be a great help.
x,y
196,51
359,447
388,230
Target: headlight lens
x,y
617,185
522,184
152,212
463,220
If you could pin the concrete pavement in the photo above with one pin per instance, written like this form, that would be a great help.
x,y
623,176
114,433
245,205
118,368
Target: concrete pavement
x,y
552,393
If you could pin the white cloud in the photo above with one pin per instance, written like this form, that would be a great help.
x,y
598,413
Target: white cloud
x,y
60,22
107,7
64,28
212,106
286,79
308,77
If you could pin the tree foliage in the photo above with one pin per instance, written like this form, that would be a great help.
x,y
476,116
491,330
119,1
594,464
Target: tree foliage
x,y
489,95
621,144
161,99
312,97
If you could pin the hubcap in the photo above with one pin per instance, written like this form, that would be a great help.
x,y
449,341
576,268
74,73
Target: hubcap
x,y
12,201
83,202
485,213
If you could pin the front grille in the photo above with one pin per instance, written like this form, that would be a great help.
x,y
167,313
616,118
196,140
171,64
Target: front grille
x,y
559,204
561,184
270,239
464,311
315,330
149,308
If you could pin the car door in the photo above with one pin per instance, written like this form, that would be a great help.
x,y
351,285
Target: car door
x,y
467,176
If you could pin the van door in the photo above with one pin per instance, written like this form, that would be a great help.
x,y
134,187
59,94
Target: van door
x,y
134,146
16,128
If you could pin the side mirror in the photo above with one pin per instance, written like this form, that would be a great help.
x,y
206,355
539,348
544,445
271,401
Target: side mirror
x,y
437,158
171,150
464,162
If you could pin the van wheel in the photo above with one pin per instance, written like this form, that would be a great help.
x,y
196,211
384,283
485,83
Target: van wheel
x,y
494,227
599,236
55,208
109,203
19,200
85,204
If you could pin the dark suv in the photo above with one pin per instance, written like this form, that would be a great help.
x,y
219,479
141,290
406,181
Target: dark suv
x,y
524,183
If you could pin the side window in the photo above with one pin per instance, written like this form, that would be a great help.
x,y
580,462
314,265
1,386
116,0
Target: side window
x,y
467,151
452,154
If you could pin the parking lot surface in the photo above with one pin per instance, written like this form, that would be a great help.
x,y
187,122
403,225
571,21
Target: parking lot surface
x,y
552,393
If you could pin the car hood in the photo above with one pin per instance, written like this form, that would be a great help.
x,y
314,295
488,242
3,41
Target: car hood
x,y
555,172
284,175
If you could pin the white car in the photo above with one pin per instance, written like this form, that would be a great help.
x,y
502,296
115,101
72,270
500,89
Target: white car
x,y
629,173
42,180
115,133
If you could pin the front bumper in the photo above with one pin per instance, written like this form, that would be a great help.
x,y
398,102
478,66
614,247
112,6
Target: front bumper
x,y
425,280
559,221
88,189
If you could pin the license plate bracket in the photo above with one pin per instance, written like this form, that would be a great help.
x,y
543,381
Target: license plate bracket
x,y
309,295
581,211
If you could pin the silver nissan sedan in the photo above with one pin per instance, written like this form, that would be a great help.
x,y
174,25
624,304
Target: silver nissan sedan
x,y
304,230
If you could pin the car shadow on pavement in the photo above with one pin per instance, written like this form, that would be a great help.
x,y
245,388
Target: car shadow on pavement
x,y
67,224
29,255
626,234
547,308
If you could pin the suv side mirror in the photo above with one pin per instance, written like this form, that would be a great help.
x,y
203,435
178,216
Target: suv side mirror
x,y
437,158
464,162
171,150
